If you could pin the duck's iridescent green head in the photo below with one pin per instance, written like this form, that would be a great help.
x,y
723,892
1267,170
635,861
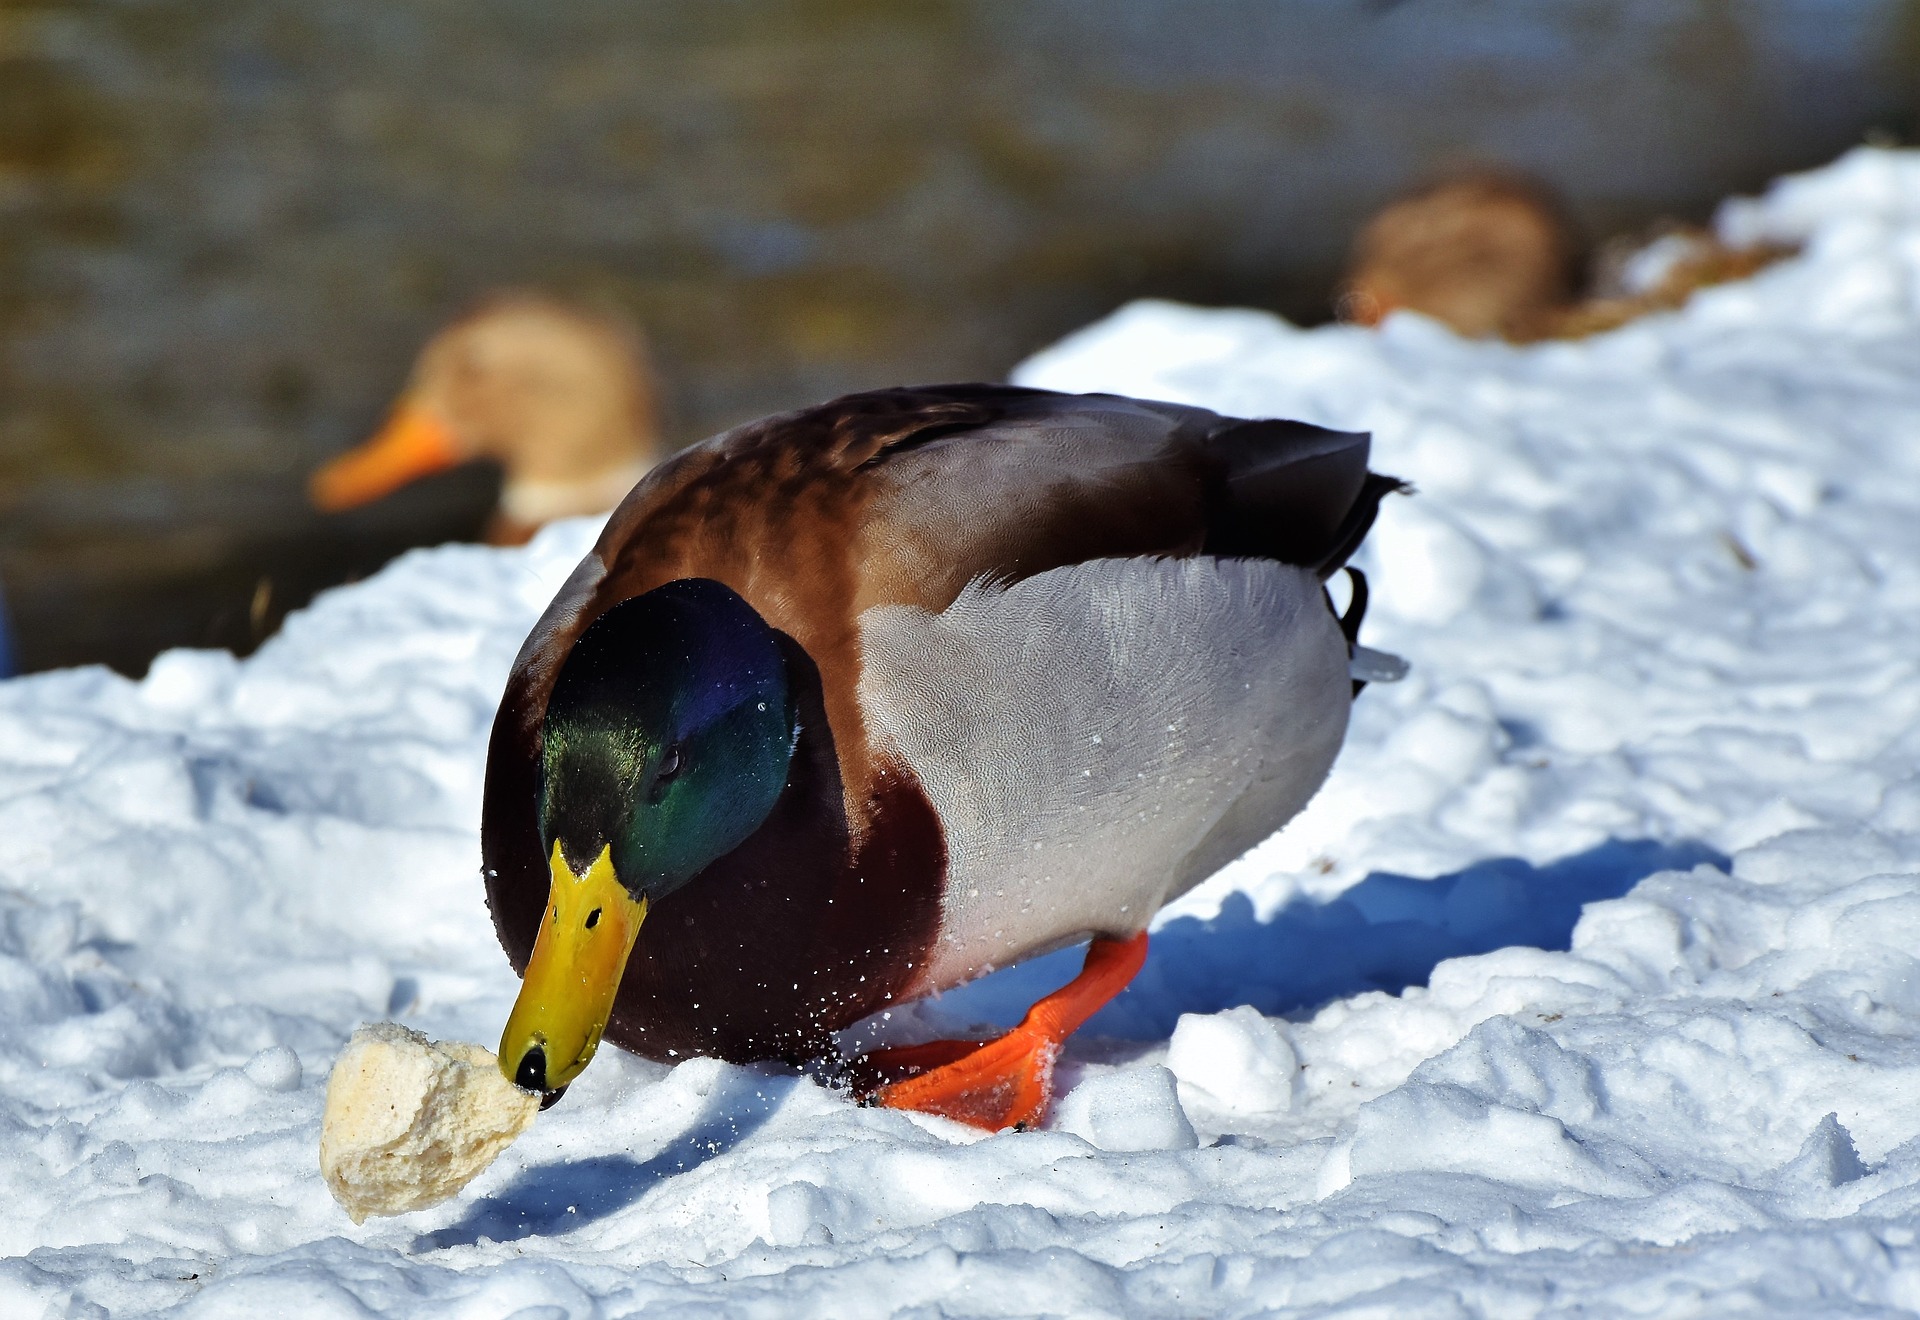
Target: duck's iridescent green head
x,y
667,740
667,736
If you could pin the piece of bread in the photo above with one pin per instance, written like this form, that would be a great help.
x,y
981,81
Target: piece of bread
x,y
410,1122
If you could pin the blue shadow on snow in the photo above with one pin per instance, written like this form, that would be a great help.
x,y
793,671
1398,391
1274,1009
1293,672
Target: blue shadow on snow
x,y
1387,932
552,1199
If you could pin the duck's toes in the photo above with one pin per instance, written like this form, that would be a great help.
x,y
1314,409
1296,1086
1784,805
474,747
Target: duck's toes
x,y
896,1063
1001,1084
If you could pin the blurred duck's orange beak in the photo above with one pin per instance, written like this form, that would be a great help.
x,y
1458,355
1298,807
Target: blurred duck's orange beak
x,y
414,443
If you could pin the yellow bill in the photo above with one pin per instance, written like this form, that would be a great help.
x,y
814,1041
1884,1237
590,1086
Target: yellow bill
x,y
578,958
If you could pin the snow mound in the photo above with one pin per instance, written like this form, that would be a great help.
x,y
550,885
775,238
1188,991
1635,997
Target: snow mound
x,y
1588,984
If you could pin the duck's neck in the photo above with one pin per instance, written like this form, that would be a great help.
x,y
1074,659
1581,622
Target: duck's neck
x,y
532,502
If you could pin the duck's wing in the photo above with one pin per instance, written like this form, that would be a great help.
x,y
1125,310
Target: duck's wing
x,y
1051,480
905,495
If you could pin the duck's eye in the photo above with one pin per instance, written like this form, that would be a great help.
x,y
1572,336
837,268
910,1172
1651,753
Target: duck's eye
x,y
669,767
593,918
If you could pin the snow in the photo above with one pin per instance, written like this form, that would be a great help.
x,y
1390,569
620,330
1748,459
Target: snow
x,y
1588,984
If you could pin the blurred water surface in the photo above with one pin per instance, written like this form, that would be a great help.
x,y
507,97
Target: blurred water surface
x,y
226,225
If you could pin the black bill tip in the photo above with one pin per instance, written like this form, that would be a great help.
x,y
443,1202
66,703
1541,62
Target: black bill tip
x,y
531,1075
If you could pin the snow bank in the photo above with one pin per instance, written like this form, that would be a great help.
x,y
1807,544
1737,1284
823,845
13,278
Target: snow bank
x,y
1588,984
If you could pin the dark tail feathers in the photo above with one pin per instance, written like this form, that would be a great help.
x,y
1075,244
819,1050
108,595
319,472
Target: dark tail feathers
x,y
1292,491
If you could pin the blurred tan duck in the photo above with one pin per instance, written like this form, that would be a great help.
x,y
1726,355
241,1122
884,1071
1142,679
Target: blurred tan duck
x,y
560,397
1493,254
1487,253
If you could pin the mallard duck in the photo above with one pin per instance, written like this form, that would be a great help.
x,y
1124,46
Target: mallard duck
x,y
1487,252
856,703
559,396
1490,253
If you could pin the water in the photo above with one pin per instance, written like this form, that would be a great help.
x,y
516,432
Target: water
x,y
225,225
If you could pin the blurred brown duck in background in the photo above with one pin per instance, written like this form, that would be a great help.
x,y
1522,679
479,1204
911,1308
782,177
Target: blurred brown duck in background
x,y
1487,253
1492,253
559,396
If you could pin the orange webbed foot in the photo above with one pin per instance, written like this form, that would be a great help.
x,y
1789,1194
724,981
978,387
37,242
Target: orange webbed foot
x,y
1006,1082
1000,1084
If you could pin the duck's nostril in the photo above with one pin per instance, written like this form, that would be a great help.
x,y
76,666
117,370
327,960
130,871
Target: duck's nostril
x,y
531,1075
